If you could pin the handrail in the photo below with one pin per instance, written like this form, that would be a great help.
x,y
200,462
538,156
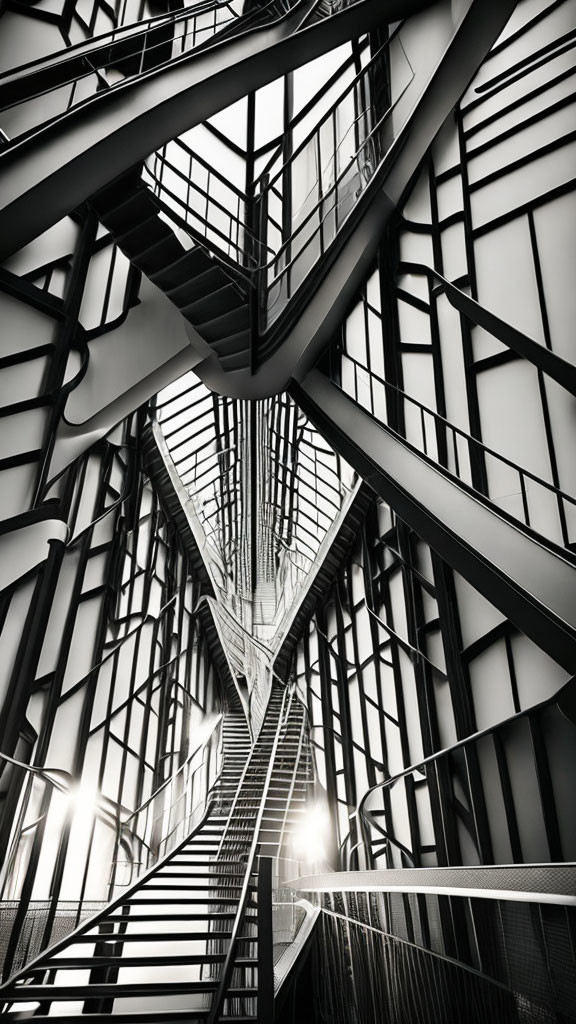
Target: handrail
x,y
74,63
443,423
562,370
486,881
423,950
358,78
43,772
292,781
112,36
91,922
236,25
234,267
126,492
239,919
141,53
125,825
267,184
569,688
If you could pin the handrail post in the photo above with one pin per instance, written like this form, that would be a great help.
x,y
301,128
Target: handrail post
x,y
259,227
265,943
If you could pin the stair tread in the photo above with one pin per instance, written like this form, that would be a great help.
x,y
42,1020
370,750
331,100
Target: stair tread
x,y
141,901
101,960
118,990
173,274
219,300
225,327
145,1017
163,936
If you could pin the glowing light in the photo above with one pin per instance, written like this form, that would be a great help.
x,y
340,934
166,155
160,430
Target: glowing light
x,y
309,840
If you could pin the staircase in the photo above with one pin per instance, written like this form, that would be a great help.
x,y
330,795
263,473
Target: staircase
x,y
289,788
182,943
213,300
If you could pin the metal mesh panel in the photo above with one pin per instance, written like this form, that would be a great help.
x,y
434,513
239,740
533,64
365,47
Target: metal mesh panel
x,y
33,937
559,925
367,976
524,948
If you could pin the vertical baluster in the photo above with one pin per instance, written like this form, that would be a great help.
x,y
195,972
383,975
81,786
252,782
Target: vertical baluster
x,y
335,169
524,498
188,210
456,459
319,195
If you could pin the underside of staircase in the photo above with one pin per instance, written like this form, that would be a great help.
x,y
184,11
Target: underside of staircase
x,y
211,298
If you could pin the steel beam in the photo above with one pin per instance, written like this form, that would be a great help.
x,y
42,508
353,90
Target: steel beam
x,y
529,581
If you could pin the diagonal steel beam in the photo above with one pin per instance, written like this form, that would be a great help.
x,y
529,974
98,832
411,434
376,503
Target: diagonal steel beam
x,y
529,581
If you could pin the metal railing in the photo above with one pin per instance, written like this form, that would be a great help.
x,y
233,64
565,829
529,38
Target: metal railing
x,y
207,205
76,75
516,937
366,971
457,451
146,836
524,734
346,147
44,922
251,861
80,922
169,815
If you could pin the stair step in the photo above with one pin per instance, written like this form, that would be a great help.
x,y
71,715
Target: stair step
x,y
141,235
138,901
158,254
237,360
188,887
129,212
160,937
215,303
83,963
111,990
205,916
203,864
115,194
224,328
139,1017
189,264
207,281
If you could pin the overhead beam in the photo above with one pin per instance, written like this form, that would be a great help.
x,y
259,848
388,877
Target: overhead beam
x,y
63,163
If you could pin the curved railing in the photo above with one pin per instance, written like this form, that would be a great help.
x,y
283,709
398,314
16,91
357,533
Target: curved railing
x,y
84,922
144,837
526,734
444,954
347,146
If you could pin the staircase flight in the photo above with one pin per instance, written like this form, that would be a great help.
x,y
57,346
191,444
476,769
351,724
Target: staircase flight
x,y
181,944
